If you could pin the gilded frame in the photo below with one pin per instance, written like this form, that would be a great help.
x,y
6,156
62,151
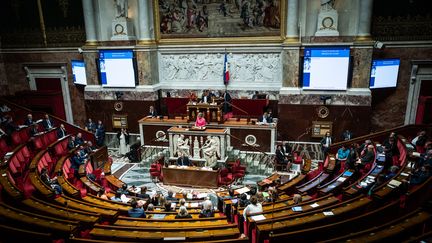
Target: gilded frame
x,y
220,40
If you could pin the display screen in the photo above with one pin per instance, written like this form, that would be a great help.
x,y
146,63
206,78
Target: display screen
x,y
384,73
326,68
79,72
117,68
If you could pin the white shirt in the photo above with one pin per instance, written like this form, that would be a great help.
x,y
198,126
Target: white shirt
x,y
252,209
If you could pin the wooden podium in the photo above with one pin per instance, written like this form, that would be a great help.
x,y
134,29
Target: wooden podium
x,y
211,112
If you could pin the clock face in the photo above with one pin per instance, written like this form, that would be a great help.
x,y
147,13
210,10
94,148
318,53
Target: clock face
x,y
327,22
119,29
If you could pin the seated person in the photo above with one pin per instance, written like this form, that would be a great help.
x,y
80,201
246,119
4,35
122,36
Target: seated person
x,y
50,182
47,123
79,139
123,189
170,196
183,213
152,112
367,158
116,197
207,211
76,162
255,95
89,148
102,194
61,131
167,207
352,157
150,207
206,97
29,120
71,143
135,211
426,159
342,153
297,199
421,175
265,118
243,201
182,202
200,121
143,194
393,172
183,160
363,148
33,129
253,207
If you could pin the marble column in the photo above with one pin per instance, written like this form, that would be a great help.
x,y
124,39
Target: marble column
x,y
89,20
365,19
145,21
292,32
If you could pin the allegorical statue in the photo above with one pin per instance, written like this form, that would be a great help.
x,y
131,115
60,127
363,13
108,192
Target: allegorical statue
x,y
182,146
211,151
121,8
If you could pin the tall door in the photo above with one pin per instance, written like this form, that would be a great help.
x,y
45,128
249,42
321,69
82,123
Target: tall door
x,y
51,95
424,107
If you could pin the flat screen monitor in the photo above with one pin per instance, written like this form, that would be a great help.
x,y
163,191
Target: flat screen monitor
x,y
384,73
79,72
117,68
326,68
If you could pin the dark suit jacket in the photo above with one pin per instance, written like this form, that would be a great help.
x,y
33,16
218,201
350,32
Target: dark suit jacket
x,y
227,103
269,119
91,127
28,122
45,124
183,161
368,157
209,98
61,133
153,114
280,157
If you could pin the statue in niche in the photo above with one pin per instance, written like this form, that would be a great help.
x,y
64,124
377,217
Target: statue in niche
x,y
327,5
121,8
211,151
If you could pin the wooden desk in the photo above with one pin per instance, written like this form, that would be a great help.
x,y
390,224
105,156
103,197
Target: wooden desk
x,y
190,176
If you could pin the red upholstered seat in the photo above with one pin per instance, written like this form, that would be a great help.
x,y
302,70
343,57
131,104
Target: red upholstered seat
x,y
16,139
225,177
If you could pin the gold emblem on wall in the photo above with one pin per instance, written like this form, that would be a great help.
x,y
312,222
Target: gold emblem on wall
x,y
323,112
118,106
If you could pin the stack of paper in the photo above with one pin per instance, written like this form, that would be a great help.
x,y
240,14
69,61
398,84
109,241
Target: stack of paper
x,y
242,190
297,209
314,205
258,217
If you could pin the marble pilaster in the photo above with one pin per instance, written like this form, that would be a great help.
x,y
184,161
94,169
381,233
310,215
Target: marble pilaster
x,y
362,58
147,61
91,69
290,67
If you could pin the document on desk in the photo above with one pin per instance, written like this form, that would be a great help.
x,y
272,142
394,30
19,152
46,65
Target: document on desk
x,y
341,179
314,205
159,216
258,217
328,213
242,190
297,209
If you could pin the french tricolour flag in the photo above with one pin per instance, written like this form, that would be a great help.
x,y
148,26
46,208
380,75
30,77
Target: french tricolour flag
x,y
226,75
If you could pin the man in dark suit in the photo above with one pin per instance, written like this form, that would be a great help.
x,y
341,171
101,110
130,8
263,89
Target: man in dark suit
x,y
347,135
183,160
47,123
367,158
79,139
152,111
265,118
71,143
29,120
206,97
227,102
100,134
90,125
326,142
61,131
